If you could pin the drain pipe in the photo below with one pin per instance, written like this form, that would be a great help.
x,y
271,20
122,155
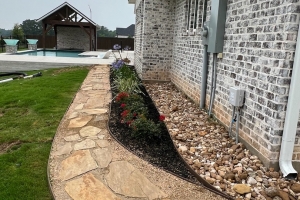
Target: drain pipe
x,y
213,83
204,78
205,56
291,119
237,125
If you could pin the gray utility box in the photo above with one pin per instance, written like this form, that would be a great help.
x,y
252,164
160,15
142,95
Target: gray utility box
x,y
205,33
236,96
217,26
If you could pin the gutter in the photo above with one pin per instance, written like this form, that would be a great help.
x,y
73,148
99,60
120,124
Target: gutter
x,y
205,58
291,120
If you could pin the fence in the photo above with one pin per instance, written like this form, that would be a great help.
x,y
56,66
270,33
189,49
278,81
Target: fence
x,y
108,42
49,41
102,42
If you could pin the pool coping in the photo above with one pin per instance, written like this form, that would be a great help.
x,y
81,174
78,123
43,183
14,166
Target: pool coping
x,y
12,62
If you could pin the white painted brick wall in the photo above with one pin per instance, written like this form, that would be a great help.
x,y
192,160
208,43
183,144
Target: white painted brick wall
x,y
259,48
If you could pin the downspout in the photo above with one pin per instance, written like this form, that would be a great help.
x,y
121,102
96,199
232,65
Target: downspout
x,y
291,119
205,58
213,83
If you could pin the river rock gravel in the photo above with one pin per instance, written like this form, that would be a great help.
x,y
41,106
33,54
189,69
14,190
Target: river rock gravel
x,y
206,146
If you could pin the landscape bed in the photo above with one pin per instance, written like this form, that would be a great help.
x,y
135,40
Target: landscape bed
x,y
157,151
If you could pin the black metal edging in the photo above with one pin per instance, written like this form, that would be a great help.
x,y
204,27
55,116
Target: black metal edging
x,y
110,132
201,183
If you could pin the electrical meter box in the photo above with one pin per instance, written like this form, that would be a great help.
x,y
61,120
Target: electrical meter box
x,y
216,29
205,33
236,96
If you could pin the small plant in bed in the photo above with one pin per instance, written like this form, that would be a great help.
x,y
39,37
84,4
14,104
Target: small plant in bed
x,y
138,126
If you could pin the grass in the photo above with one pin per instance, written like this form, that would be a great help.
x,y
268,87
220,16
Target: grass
x,y
30,112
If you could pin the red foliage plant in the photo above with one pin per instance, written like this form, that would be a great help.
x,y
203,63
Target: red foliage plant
x,y
121,96
162,117
124,113
123,105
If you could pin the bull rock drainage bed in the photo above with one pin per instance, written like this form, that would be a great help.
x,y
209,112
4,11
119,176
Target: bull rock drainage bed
x,y
160,153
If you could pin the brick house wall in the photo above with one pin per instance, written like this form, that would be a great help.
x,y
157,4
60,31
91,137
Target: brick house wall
x,y
154,38
259,47
251,61
258,53
73,38
139,37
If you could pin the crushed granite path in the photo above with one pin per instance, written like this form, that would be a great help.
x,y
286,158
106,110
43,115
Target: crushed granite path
x,y
86,163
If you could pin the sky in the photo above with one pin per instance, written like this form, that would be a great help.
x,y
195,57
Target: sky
x,y
108,13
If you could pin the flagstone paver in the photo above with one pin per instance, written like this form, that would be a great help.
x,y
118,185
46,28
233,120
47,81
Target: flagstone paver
x,y
89,131
78,163
94,103
86,144
79,107
72,138
125,179
103,157
85,163
102,143
65,149
79,121
94,111
73,115
89,188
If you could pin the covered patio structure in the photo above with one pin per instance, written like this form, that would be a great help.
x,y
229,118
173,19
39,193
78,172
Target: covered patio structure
x,y
73,30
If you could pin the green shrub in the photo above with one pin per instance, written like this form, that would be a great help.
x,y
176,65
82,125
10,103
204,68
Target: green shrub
x,y
124,72
143,127
129,85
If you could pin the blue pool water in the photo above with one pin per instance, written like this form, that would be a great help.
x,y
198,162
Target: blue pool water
x,y
52,53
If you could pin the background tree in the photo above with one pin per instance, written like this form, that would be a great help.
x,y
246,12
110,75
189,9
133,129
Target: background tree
x,y
104,32
31,27
4,32
17,32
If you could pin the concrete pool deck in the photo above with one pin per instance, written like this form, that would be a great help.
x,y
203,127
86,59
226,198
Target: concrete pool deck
x,y
10,62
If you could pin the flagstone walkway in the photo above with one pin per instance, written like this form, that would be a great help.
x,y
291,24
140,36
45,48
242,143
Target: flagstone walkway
x,y
86,163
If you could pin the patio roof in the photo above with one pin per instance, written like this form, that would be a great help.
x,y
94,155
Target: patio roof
x,y
68,16
63,11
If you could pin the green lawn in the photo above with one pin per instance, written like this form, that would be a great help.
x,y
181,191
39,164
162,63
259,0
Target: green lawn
x,y
30,112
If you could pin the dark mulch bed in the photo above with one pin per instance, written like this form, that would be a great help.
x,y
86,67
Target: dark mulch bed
x,y
159,152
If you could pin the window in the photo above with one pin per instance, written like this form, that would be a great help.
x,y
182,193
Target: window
x,y
193,16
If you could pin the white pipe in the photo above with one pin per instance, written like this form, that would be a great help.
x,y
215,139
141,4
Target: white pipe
x,y
237,126
291,119
6,80
231,122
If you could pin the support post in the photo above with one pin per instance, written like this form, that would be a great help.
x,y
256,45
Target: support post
x,y
44,35
55,33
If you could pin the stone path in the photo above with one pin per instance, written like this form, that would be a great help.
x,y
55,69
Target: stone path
x,y
85,163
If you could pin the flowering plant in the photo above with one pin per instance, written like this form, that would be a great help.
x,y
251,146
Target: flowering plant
x,y
119,62
121,96
133,110
162,118
134,114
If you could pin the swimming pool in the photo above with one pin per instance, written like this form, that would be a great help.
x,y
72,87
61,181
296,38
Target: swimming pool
x,y
52,53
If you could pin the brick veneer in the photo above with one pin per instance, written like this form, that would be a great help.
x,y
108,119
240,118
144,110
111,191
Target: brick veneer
x,y
11,48
73,38
259,48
